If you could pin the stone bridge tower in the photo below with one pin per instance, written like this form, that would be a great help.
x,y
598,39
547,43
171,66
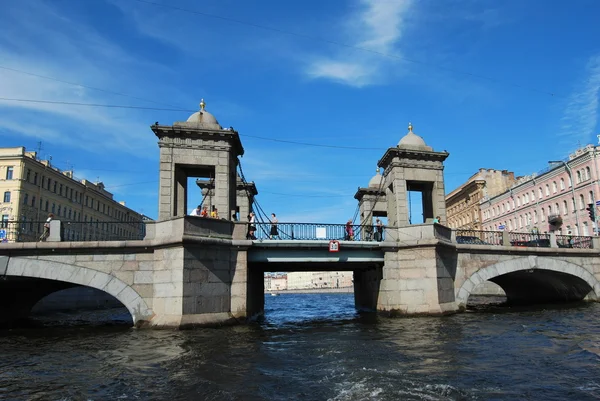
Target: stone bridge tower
x,y
413,166
371,202
200,148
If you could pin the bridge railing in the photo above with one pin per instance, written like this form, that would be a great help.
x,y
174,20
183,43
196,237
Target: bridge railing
x,y
21,231
526,239
31,231
529,239
479,237
570,241
316,231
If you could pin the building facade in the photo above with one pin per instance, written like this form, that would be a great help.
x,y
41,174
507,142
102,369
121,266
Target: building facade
x,y
275,281
463,204
32,189
316,280
554,200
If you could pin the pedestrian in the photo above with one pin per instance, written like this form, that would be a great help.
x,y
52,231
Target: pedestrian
x,y
274,230
251,225
196,211
379,230
204,212
437,220
215,213
46,232
349,231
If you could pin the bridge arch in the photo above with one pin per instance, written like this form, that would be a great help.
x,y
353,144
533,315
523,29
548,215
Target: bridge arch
x,y
518,277
73,274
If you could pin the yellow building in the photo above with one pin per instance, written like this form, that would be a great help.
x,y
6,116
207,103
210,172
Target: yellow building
x,y
463,205
31,189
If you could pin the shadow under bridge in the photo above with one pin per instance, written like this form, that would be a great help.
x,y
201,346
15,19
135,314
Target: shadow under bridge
x,y
298,255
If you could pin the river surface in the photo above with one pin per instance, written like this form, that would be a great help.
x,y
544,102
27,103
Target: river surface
x,y
311,347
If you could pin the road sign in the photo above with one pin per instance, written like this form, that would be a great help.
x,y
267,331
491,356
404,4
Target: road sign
x,y
598,203
501,227
334,246
2,234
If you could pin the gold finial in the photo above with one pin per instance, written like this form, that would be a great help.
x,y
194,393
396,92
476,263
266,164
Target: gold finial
x,y
410,127
202,105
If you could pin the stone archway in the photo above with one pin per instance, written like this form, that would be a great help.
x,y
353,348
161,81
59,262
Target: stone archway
x,y
48,270
533,264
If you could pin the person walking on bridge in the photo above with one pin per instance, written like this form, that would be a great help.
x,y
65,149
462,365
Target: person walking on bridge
x,y
46,232
274,230
349,231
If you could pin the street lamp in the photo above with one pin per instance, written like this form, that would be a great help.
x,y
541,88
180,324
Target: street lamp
x,y
572,188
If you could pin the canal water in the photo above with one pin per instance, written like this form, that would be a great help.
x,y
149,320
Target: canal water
x,y
310,347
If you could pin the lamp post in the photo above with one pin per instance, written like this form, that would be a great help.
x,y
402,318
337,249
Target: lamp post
x,y
572,188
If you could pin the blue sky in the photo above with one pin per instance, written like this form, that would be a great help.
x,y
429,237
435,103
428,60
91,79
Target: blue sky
x,y
505,85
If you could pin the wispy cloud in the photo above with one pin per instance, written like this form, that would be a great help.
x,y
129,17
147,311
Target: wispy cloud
x,y
581,115
378,26
60,47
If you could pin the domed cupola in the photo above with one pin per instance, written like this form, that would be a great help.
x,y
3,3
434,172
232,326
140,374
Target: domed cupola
x,y
376,181
412,140
201,119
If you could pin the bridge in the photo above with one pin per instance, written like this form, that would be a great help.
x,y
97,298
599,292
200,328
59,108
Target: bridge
x,y
206,272
190,271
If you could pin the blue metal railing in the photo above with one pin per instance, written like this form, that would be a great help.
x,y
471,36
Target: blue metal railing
x,y
316,231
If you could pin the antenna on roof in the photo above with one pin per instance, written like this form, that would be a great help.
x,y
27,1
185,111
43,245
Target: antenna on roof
x,y
39,150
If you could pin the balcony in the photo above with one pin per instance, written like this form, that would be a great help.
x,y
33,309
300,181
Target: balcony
x,y
555,219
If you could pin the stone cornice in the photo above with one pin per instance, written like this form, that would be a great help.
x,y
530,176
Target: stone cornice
x,y
406,156
167,135
362,192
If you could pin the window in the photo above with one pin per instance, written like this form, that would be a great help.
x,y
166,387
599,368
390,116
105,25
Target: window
x,y
532,196
543,215
562,184
535,216
28,175
6,196
565,207
581,202
60,190
59,210
35,178
47,206
33,201
578,177
26,199
556,209
4,222
54,189
54,208
587,173
591,197
518,201
554,189
540,193
573,205
9,172
49,182
547,190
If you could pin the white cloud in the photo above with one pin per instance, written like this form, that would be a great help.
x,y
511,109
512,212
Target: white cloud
x,y
376,28
580,118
